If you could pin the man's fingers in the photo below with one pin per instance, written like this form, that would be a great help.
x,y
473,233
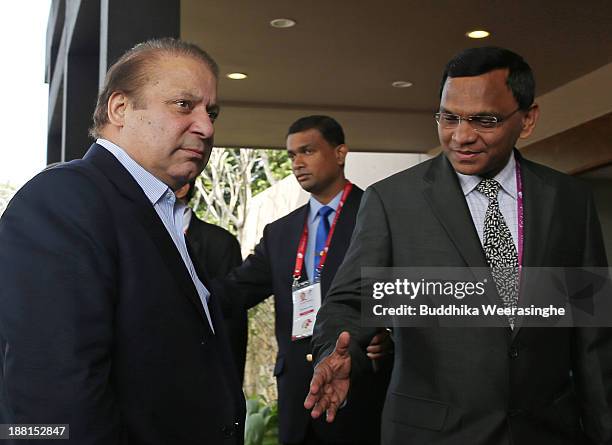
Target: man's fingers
x,y
320,407
342,344
379,346
318,380
376,340
311,400
322,396
316,383
374,349
331,412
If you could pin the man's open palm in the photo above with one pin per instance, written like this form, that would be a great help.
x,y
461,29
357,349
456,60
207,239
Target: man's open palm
x,y
330,381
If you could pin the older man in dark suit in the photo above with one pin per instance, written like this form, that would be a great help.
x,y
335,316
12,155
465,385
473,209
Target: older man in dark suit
x,y
297,259
106,324
479,204
220,251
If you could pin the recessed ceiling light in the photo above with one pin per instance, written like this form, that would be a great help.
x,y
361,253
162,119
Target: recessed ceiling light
x,y
237,76
401,84
282,23
478,34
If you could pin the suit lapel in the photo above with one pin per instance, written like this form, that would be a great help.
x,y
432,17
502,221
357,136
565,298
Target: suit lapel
x,y
538,202
448,204
193,235
293,232
148,218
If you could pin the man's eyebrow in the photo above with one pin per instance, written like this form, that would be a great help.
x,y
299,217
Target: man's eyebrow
x,y
478,113
185,95
299,148
216,108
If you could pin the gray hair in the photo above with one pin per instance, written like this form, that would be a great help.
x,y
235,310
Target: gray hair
x,y
129,73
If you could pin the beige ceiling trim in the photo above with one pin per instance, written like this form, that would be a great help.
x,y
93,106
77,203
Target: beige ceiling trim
x,y
580,149
573,104
322,107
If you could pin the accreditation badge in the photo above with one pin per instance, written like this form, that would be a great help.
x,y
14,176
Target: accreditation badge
x,y
306,303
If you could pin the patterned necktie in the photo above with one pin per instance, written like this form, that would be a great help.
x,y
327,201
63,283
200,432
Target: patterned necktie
x,y
499,247
322,232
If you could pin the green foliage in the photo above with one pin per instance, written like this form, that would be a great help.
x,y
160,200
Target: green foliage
x,y
261,426
231,178
279,164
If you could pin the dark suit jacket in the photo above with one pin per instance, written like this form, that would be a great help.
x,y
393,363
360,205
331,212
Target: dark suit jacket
x,y
269,271
102,324
219,251
478,385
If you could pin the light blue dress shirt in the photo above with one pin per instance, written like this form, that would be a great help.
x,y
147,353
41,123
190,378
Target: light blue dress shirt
x,y
169,209
507,198
313,225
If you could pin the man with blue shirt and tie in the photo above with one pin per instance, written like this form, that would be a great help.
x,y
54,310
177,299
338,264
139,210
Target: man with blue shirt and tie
x,y
107,326
296,261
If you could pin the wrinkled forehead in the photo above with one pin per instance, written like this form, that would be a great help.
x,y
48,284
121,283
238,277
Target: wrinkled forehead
x,y
177,75
163,63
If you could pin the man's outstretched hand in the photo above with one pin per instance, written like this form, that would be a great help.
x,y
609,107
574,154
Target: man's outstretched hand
x,y
330,381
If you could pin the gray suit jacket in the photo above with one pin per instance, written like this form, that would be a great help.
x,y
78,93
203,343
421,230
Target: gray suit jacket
x,y
478,385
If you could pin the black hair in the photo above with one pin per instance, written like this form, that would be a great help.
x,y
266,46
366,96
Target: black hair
x,y
329,128
477,61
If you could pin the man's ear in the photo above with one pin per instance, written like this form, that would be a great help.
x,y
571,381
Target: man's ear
x,y
117,105
341,152
529,121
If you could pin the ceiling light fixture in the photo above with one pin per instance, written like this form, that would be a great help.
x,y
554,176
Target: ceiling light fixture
x,y
237,76
401,84
478,34
282,23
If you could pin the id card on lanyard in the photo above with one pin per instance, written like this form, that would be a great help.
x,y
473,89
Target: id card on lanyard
x,y
306,304
306,295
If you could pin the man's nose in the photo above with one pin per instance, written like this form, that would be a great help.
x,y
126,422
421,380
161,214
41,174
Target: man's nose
x,y
202,123
297,161
464,133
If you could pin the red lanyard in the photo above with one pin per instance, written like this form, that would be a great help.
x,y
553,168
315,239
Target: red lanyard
x,y
299,259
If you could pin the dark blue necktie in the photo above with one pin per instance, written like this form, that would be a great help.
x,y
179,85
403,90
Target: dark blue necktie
x,y
322,233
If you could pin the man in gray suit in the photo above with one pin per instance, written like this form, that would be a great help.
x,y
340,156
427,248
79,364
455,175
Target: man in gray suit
x,y
496,385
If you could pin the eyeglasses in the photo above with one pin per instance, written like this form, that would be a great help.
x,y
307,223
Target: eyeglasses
x,y
481,123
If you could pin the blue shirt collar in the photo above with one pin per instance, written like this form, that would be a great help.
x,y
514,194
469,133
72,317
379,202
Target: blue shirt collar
x,y
316,205
152,187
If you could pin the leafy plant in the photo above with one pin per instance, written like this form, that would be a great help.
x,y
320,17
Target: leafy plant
x,y
261,426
